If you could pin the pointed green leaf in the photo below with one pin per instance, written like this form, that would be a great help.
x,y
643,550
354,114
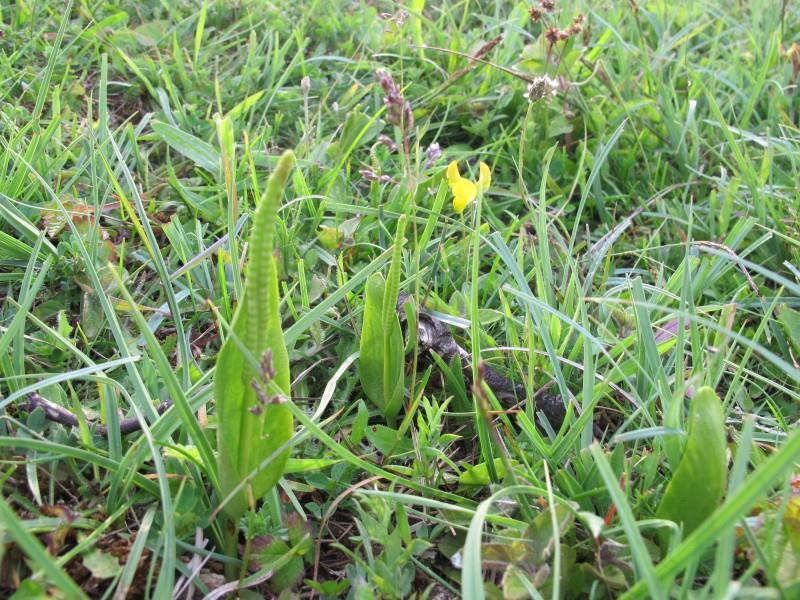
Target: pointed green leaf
x,y
697,487
370,363
201,153
249,432
393,370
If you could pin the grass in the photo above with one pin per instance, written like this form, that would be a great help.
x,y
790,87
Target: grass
x,y
639,247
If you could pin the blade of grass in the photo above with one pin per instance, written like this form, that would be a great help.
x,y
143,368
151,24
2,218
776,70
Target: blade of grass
x,y
644,566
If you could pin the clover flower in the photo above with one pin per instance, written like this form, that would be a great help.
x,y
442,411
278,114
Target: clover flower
x,y
432,154
542,88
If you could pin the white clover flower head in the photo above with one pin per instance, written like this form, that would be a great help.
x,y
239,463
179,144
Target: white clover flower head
x,y
542,88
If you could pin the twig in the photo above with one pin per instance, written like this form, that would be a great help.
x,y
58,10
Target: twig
x,y
57,414
435,336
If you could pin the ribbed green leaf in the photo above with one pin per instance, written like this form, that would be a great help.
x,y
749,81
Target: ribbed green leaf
x,y
393,370
382,355
370,364
249,432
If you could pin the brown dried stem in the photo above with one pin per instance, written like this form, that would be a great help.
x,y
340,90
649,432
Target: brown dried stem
x,y
58,414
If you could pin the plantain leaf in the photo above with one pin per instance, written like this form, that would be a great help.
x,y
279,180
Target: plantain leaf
x,y
698,484
370,363
393,367
382,352
393,349
393,280
249,432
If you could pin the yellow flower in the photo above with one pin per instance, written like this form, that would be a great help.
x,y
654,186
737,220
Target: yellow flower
x,y
464,190
452,173
485,178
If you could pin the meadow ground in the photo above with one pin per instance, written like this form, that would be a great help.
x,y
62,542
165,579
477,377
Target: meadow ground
x,y
588,389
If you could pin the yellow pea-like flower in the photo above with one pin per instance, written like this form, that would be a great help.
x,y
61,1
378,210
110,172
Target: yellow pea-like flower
x,y
464,190
452,173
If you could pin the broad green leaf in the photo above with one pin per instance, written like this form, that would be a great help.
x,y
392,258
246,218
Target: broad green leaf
x,y
329,237
697,487
479,474
370,363
101,565
288,573
385,440
250,431
201,153
393,349
382,352
393,280
394,365
540,534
